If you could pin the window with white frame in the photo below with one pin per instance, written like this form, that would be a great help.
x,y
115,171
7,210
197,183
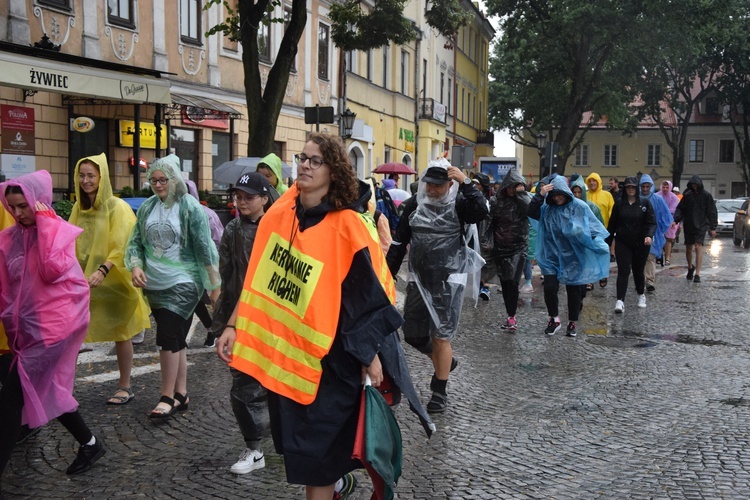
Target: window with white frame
x,y
582,156
449,101
404,71
653,155
726,151
442,87
287,21
695,151
324,42
610,155
120,13
190,21
264,42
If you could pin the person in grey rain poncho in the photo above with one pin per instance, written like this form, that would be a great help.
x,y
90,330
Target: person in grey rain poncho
x,y
570,250
433,222
510,230
172,257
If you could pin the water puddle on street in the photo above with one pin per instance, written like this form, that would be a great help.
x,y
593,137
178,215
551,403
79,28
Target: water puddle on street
x,y
737,402
668,337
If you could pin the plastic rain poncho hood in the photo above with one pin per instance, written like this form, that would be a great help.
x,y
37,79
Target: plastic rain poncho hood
x,y
440,262
570,239
44,303
217,228
6,220
661,212
601,198
198,255
118,309
274,163
584,189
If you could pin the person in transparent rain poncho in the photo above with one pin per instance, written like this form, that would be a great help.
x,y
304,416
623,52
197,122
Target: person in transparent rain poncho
x,y
172,257
434,223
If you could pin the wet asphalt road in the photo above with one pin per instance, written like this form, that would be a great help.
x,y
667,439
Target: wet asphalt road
x,y
653,403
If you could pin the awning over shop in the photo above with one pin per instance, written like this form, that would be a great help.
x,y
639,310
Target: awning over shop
x,y
196,104
61,73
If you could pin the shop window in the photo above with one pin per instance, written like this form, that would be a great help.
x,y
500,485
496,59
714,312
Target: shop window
x,y
190,21
121,13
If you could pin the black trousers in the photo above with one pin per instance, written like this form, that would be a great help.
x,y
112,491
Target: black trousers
x,y
576,293
630,259
250,406
11,404
510,296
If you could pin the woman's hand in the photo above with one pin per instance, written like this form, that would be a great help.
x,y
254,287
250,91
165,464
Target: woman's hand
x,y
214,296
375,371
96,279
546,189
225,344
139,277
647,241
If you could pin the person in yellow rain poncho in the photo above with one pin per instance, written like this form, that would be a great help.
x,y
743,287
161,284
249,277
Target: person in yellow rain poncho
x,y
6,220
118,309
270,168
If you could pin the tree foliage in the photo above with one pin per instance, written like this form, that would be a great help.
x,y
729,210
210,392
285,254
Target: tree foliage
x,y
559,62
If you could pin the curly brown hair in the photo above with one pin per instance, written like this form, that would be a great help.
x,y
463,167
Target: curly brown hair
x,y
344,189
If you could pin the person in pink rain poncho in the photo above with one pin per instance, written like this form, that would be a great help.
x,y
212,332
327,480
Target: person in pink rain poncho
x,y
44,301
672,201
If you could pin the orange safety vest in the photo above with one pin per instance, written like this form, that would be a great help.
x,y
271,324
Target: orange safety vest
x,y
289,308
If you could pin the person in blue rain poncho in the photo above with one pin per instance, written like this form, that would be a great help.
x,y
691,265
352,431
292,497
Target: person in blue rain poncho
x,y
663,222
571,248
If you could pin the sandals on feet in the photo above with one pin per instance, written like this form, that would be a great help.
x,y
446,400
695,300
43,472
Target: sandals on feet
x,y
603,282
121,400
159,413
181,401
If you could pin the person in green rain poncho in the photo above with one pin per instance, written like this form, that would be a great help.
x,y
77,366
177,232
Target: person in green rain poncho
x,y
173,258
270,168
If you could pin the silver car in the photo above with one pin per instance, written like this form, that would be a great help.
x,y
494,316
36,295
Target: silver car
x,y
727,209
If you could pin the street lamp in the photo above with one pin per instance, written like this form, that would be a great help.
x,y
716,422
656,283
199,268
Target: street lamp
x,y
541,142
347,122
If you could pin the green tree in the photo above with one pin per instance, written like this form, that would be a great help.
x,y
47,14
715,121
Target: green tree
x,y
685,71
352,29
559,63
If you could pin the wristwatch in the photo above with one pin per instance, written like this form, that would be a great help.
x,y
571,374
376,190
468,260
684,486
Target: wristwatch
x,y
467,181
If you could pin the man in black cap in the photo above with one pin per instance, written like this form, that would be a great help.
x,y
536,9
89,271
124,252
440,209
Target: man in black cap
x,y
433,222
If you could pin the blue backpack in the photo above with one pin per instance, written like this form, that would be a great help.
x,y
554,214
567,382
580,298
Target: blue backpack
x,y
384,204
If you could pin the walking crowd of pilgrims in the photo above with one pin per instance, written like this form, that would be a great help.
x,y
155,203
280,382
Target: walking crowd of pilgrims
x,y
302,289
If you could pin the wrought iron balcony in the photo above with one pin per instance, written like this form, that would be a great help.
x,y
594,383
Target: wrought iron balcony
x,y
486,137
430,109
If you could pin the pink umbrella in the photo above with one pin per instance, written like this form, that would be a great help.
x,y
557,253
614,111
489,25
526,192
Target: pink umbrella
x,y
394,168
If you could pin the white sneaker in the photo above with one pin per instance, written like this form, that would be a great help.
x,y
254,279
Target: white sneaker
x,y
619,306
527,289
138,339
250,460
641,301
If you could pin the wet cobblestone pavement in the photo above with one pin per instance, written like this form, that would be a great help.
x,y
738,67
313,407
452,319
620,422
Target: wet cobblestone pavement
x,y
652,403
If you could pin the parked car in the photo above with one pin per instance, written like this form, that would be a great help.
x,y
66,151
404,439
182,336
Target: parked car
x,y
741,227
727,209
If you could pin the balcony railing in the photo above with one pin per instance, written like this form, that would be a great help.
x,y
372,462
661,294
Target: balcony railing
x,y
486,137
430,109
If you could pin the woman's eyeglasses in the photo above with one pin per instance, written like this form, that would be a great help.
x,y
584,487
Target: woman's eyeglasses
x,y
154,182
315,161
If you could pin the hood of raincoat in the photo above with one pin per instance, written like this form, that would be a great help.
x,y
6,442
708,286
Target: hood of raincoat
x,y
170,165
645,178
598,179
389,184
671,199
697,181
104,192
36,186
512,178
560,186
274,163
581,184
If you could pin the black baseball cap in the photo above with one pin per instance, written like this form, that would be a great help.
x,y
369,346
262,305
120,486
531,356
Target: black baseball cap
x,y
436,175
252,183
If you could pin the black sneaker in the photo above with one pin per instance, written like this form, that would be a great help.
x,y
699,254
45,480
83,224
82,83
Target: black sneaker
x,y
650,288
691,270
437,403
87,456
552,327
210,340
697,279
571,330
350,482
612,257
454,363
